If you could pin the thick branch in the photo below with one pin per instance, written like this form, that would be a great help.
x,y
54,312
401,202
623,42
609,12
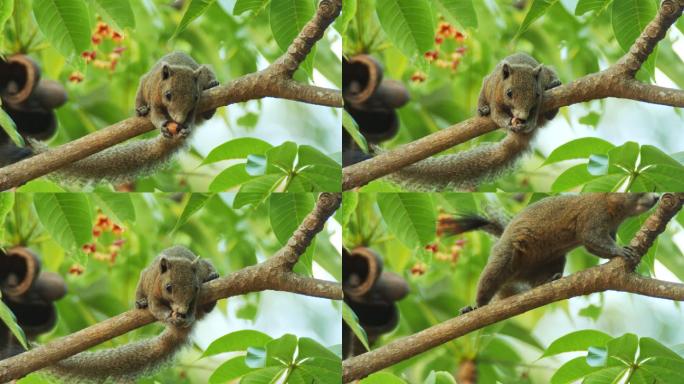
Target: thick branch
x,y
274,81
615,275
616,81
269,275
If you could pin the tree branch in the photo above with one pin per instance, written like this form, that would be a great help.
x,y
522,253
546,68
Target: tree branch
x,y
269,275
616,81
616,275
274,81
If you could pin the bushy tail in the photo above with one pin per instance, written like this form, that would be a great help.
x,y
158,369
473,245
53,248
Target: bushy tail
x,y
120,163
495,223
464,170
124,363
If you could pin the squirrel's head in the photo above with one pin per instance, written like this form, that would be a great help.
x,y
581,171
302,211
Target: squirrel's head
x,y
179,286
179,93
521,95
633,204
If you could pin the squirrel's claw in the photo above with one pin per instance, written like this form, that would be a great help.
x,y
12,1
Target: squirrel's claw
x,y
212,276
552,84
467,309
143,110
212,84
484,110
630,254
140,304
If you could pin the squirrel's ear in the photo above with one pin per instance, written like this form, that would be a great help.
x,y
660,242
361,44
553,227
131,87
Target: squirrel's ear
x,y
506,70
164,264
166,71
198,71
536,71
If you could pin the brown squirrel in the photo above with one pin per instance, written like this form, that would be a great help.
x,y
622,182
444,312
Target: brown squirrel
x,y
532,247
169,94
168,288
511,97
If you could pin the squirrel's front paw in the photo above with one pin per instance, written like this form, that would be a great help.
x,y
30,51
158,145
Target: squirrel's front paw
x,y
212,84
484,110
467,309
630,254
212,276
553,84
143,110
140,304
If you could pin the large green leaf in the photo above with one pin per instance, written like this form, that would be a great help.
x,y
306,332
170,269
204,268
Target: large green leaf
x,y
461,10
6,7
67,217
347,15
579,149
288,18
537,10
120,204
408,24
10,321
350,126
629,19
229,178
410,216
6,204
119,11
382,378
352,322
195,10
257,190
237,341
194,204
237,149
572,371
230,370
65,24
584,6
248,5
572,177
8,125
287,211
577,341
324,173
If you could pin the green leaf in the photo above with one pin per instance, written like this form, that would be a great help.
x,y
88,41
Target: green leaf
x,y
347,15
461,10
10,321
317,363
230,370
281,159
229,178
65,24
608,375
607,183
623,159
598,165
237,341
67,217
592,119
410,216
663,177
577,341
572,177
649,347
579,149
324,173
268,375
537,10
237,149
652,155
440,377
6,7
349,202
572,371
287,211
194,204
6,204
349,125
382,378
280,351
408,24
584,6
257,190
120,204
624,348
256,165
629,19
288,18
8,125
352,322
118,11
195,10
311,348
665,370
255,357
597,357
248,5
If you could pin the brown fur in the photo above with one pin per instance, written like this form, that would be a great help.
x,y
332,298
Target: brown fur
x,y
532,248
185,273
526,79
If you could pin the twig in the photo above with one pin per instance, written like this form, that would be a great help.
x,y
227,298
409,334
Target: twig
x,y
616,81
273,274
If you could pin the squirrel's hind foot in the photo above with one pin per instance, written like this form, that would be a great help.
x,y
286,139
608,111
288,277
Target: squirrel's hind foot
x,y
142,110
140,304
553,84
467,309
484,110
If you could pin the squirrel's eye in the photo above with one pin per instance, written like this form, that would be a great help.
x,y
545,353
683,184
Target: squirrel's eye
x,y
509,93
168,288
168,95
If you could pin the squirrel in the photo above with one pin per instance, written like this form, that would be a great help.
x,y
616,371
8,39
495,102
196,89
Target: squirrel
x,y
169,289
532,246
511,96
169,94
